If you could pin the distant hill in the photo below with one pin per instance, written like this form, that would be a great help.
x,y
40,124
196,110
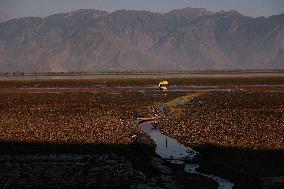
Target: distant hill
x,y
127,40
3,17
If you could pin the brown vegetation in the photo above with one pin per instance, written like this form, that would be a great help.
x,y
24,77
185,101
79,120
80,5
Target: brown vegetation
x,y
76,139
239,119
230,129
239,134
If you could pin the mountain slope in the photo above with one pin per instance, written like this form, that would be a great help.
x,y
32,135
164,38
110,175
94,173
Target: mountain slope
x,y
185,39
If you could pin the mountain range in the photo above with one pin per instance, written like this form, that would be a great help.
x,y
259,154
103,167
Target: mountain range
x,y
127,40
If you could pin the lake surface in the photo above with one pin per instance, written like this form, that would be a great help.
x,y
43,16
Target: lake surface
x,y
173,75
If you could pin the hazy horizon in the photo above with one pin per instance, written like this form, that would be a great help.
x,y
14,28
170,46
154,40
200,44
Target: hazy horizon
x,y
39,8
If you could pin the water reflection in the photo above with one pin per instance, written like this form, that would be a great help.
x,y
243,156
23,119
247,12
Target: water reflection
x,y
168,148
176,153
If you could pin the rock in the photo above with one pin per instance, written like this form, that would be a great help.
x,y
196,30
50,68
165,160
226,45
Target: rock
x,y
140,176
143,186
111,162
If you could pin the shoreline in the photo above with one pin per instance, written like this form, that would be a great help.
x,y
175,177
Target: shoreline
x,y
147,72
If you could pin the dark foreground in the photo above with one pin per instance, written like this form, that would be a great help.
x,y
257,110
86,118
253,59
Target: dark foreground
x,y
64,134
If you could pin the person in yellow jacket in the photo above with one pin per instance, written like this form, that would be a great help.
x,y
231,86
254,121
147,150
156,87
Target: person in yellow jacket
x,y
163,85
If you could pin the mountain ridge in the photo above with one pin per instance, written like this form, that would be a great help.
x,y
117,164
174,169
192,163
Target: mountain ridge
x,y
129,40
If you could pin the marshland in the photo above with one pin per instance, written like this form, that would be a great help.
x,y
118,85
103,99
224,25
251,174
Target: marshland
x,y
80,133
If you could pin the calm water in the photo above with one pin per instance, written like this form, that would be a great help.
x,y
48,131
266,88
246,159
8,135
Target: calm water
x,y
175,152
168,148
97,76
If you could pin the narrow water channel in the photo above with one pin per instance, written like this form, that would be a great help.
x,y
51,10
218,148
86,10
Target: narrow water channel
x,y
176,153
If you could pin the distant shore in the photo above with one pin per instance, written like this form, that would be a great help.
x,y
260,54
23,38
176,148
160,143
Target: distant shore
x,y
141,73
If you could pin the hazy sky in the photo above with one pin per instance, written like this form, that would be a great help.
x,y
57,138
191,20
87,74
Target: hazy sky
x,y
21,8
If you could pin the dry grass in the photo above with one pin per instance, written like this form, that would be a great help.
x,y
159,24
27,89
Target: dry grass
x,y
235,119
